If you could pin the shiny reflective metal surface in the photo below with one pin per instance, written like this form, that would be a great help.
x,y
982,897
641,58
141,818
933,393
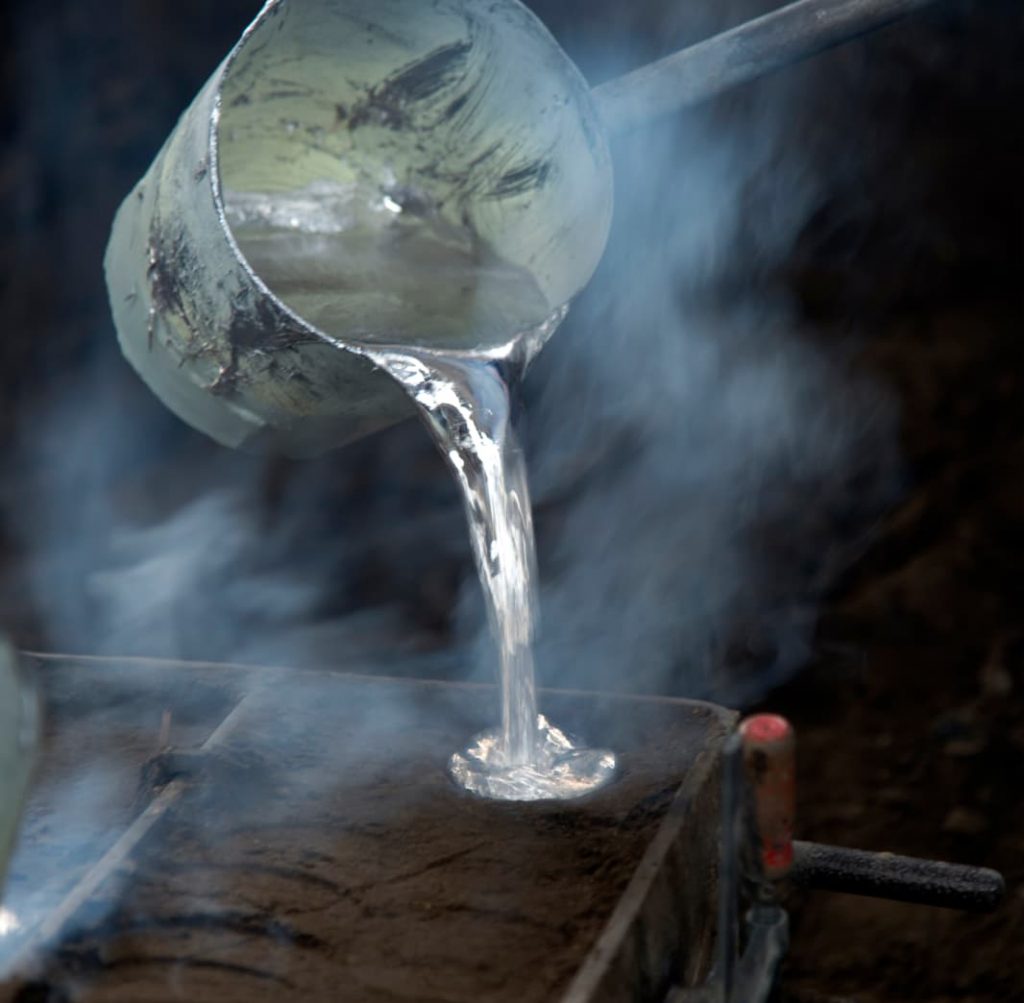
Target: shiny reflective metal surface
x,y
557,766
469,110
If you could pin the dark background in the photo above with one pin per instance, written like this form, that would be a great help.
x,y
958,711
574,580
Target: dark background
x,y
910,703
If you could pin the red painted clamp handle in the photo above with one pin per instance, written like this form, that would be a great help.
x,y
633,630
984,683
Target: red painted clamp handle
x,y
769,755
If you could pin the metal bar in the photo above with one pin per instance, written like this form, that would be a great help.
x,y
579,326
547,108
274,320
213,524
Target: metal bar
x,y
286,674
767,942
108,864
50,928
888,876
741,54
750,977
19,745
727,943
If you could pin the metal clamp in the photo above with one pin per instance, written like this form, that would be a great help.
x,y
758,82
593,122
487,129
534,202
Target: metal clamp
x,y
758,853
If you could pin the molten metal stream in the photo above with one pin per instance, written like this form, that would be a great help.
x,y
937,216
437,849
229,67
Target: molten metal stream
x,y
466,403
465,324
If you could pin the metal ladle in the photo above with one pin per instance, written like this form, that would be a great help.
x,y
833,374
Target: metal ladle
x,y
473,104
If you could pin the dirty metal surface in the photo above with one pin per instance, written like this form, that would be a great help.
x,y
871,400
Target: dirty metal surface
x,y
318,848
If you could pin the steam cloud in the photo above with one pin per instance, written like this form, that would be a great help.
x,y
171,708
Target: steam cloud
x,y
714,427
689,448
697,450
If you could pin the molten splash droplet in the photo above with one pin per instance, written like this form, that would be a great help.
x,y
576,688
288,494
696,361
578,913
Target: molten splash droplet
x,y
559,767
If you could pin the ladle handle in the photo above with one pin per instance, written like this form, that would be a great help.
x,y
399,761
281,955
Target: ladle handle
x,y
744,53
